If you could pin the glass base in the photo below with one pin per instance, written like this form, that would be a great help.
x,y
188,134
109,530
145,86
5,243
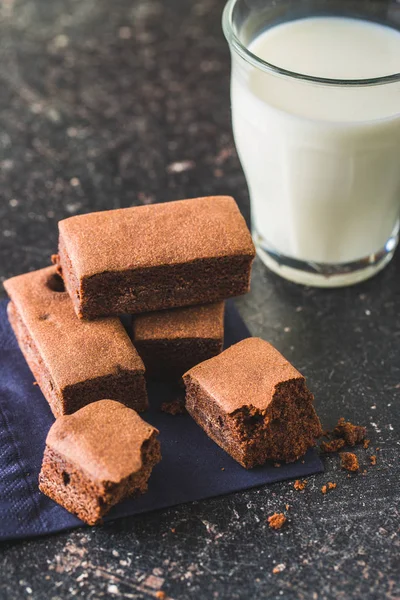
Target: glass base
x,y
326,275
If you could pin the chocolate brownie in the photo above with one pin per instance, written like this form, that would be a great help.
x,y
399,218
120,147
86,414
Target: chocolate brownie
x,y
160,256
97,457
74,362
253,403
171,342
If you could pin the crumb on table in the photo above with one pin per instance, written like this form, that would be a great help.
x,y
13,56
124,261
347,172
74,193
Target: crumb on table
x,y
175,407
373,459
161,595
351,434
300,485
366,443
349,461
329,486
333,446
277,520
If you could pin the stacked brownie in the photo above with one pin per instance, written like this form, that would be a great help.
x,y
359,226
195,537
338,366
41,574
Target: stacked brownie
x,y
171,266
155,257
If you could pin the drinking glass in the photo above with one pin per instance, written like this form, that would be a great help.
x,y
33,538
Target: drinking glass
x,y
321,155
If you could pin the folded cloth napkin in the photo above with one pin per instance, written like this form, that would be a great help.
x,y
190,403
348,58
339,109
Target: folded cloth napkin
x,y
192,467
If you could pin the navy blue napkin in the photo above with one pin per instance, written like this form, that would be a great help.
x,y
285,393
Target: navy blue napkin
x,y
192,467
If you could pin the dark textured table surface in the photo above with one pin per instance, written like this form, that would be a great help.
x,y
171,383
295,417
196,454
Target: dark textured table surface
x,y
109,104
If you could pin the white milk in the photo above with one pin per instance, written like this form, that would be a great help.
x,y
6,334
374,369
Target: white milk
x,y
322,162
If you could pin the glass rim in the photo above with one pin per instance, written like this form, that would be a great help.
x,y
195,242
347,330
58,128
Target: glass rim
x,y
258,62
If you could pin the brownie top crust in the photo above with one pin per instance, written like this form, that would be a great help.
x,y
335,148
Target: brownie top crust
x,y
155,235
244,374
104,438
205,321
73,350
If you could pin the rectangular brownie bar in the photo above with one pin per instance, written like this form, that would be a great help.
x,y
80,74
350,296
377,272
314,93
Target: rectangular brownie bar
x,y
73,361
96,457
147,258
172,341
253,403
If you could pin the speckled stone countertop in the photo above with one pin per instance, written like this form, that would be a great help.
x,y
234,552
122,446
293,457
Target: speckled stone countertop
x,y
109,104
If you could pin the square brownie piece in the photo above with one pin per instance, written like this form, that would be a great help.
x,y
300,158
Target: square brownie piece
x,y
96,457
253,403
74,362
172,341
160,256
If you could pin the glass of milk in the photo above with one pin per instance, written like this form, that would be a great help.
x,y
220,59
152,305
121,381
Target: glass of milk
x,y
315,95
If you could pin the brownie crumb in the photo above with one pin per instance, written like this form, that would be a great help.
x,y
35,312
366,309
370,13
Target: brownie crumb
x,y
175,407
300,485
222,468
333,446
173,530
366,443
373,459
349,461
161,595
35,383
277,465
277,520
329,486
287,506
279,568
351,434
